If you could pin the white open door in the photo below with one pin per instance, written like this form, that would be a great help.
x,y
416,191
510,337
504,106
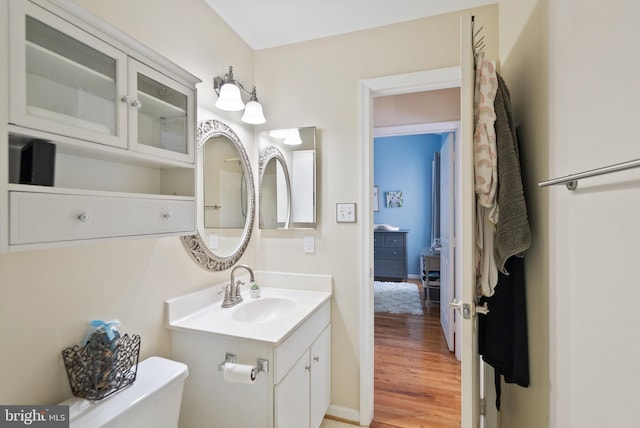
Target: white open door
x,y
465,201
447,244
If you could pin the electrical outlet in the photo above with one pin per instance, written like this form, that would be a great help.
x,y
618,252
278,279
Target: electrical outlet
x,y
309,244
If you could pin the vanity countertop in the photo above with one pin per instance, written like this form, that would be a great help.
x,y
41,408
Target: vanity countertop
x,y
293,308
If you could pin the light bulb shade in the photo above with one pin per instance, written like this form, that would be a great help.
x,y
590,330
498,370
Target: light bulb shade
x,y
253,113
278,133
229,98
292,137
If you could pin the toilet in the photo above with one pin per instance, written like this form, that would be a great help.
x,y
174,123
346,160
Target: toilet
x,y
153,400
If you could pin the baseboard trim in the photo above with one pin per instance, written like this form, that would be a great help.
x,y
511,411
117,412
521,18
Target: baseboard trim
x,y
343,414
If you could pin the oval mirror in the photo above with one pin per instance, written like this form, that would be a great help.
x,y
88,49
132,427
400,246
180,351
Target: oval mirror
x,y
288,178
226,198
275,190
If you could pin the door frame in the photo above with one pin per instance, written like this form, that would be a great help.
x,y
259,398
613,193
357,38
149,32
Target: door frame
x,y
421,81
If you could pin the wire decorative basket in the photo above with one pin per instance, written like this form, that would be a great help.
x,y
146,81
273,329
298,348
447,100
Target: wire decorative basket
x,y
102,367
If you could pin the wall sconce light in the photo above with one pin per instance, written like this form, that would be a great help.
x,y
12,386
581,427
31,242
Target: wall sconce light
x,y
230,99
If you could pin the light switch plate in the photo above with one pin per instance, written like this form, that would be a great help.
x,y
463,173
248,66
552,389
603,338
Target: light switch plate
x,y
346,212
309,244
213,242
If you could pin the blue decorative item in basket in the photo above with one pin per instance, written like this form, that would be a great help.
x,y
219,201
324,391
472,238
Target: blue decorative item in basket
x,y
101,332
105,363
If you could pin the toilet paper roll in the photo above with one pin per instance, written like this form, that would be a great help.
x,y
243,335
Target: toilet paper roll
x,y
239,373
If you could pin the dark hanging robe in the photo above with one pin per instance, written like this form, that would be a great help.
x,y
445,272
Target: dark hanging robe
x,y
502,333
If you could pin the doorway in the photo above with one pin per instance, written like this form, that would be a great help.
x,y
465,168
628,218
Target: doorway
x,y
417,378
394,85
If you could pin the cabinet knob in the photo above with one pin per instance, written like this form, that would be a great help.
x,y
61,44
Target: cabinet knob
x,y
133,103
85,217
308,368
167,216
316,358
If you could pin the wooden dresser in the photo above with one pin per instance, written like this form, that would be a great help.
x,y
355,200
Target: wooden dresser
x,y
390,255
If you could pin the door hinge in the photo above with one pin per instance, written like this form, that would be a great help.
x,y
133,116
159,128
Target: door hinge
x,y
483,407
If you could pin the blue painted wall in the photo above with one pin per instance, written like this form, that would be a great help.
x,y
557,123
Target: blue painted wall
x,y
404,163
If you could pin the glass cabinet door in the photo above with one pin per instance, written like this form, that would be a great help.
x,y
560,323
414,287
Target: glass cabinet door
x,y
160,122
65,80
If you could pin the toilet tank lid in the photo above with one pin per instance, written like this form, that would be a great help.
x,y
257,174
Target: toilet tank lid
x,y
153,374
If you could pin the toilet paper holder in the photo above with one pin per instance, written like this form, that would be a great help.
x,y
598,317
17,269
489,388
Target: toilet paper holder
x,y
262,364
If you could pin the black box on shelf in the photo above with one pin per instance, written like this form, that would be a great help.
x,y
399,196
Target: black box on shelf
x,y
37,163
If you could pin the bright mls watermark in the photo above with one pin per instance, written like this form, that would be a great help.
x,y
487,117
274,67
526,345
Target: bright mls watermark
x,y
34,416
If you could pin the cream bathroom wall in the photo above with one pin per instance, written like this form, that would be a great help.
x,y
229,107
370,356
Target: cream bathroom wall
x,y
575,90
594,110
316,83
419,107
47,297
524,54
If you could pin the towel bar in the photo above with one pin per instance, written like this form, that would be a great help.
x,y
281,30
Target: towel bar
x,y
571,181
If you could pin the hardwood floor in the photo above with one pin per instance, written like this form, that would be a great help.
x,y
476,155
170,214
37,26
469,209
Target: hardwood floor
x,y
417,379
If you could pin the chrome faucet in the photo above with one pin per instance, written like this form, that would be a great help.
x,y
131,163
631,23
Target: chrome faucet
x,y
232,290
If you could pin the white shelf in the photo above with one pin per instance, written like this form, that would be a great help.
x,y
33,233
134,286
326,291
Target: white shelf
x,y
58,68
77,147
158,108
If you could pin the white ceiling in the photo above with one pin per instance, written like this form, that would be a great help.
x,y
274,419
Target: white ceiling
x,y
268,23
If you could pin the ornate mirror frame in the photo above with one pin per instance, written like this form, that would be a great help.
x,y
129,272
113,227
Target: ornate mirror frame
x,y
268,154
194,244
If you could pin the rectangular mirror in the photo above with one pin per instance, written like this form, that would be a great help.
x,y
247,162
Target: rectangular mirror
x,y
287,178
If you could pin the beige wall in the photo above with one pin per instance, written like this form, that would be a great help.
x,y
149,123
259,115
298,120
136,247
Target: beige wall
x,y
442,105
594,110
47,297
524,66
575,90
316,83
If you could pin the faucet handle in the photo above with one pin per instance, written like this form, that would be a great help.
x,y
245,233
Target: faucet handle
x,y
224,289
227,302
237,288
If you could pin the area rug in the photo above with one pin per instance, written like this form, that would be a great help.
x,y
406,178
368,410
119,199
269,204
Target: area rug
x,y
397,298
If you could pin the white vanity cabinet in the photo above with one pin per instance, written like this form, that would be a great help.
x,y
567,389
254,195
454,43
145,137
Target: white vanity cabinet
x,y
320,391
121,117
294,393
303,396
302,391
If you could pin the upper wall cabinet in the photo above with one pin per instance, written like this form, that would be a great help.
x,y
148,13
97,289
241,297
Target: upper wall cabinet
x,y
113,125
66,81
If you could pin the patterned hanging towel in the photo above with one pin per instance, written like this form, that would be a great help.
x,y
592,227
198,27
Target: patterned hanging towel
x,y
486,174
484,137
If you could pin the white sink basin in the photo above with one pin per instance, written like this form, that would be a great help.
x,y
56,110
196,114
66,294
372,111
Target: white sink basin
x,y
263,309
269,318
